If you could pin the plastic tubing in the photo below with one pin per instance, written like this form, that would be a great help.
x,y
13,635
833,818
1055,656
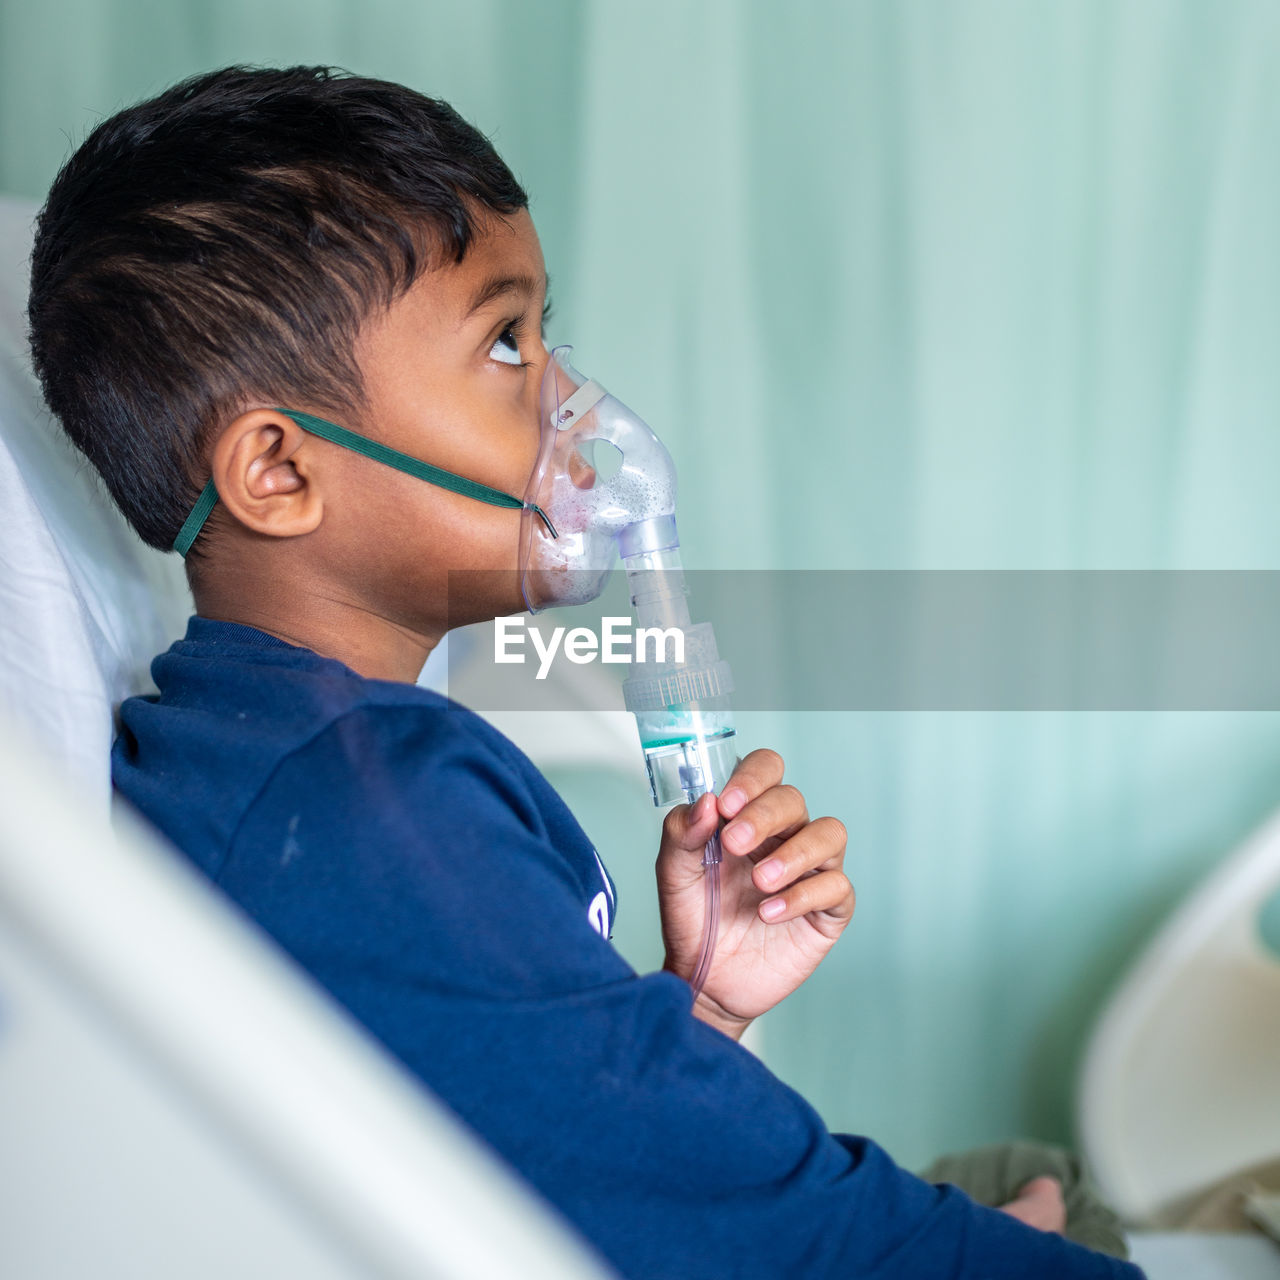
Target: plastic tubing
x,y
711,913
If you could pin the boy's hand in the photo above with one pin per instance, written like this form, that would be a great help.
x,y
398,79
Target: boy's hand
x,y
784,898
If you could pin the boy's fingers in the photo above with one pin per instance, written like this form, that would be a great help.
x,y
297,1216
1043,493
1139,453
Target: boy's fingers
x,y
1039,1204
829,895
778,811
755,774
819,847
690,826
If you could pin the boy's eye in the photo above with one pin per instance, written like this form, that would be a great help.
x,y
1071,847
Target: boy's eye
x,y
506,350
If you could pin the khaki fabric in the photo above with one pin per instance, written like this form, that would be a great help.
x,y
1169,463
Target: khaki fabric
x,y
994,1176
1221,1206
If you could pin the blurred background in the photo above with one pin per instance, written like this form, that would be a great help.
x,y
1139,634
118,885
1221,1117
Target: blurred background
x,y
980,284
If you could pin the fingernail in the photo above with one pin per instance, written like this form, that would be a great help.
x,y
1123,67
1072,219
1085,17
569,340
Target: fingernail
x,y
733,800
771,871
772,909
739,835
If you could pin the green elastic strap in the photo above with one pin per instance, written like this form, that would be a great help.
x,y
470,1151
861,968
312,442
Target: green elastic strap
x,y
192,525
370,449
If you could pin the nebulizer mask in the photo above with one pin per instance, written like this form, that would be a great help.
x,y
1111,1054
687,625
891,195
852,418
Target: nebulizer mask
x,y
603,488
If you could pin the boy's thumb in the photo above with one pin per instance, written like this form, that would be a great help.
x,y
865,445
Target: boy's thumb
x,y
689,826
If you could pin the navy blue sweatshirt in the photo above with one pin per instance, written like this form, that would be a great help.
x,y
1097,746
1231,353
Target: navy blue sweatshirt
x,y
418,866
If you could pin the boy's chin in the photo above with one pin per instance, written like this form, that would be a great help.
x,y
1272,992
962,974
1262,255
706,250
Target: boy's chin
x,y
480,595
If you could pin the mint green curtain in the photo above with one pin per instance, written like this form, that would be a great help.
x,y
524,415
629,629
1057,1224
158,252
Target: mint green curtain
x,y
979,284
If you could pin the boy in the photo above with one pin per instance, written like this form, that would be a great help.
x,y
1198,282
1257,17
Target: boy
x,y
252,242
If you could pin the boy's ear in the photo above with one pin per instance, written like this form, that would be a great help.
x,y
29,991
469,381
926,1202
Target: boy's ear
x,y
264,475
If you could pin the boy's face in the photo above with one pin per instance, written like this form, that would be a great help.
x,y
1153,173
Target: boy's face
x,y
452,372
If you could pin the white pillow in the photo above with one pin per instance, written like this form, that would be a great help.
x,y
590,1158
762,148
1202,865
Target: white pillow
x,y
84,603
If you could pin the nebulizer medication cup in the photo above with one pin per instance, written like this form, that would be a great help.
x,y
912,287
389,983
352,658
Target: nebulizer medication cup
x,y
576,521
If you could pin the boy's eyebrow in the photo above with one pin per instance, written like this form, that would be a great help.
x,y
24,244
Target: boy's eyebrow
x,y
524,286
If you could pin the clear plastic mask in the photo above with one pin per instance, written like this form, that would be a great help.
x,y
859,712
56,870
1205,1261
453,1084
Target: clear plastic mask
x,y
602,478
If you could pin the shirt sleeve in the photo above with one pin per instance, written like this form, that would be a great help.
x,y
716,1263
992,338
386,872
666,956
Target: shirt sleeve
x,y
402,862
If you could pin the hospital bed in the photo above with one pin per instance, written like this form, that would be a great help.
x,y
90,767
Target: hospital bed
x,y
1180,1086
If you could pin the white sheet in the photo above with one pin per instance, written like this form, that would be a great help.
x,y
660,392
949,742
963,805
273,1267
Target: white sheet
x,y
1183,1255
84,605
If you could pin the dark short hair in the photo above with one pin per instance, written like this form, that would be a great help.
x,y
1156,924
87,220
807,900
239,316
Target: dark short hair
x,y
224,242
